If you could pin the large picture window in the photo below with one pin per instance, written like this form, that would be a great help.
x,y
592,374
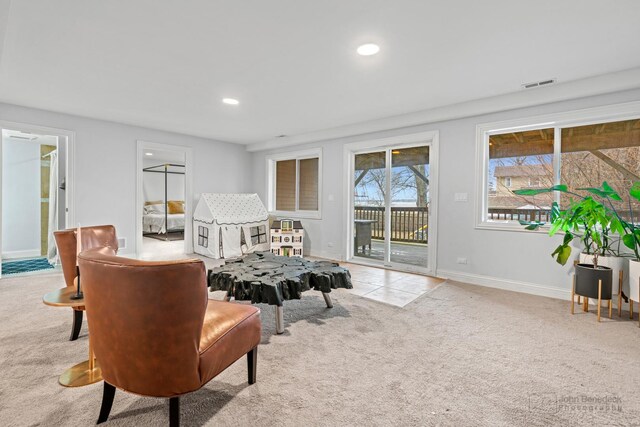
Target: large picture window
x,y
577,152
294,184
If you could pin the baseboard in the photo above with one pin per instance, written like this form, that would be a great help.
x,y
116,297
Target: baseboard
x,y
509,285
31,253
332,256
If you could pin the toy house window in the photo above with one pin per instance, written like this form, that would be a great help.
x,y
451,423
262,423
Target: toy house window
x,y
203,236
286,226
258,235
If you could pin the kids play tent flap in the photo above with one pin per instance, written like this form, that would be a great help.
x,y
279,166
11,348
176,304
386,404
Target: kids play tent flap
x,y
230,225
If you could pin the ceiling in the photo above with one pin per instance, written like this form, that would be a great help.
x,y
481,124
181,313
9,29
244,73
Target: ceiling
x,y
292,64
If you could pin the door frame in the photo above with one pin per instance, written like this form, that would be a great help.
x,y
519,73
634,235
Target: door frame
x,y
430,138
69,138
188,190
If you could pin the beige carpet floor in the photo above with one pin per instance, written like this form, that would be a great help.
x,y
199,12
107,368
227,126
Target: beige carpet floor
x,y
460,355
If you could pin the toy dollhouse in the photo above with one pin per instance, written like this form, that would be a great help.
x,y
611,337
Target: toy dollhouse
x,y
287,237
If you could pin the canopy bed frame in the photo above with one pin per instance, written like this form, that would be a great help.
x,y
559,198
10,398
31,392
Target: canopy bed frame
x,y
165,169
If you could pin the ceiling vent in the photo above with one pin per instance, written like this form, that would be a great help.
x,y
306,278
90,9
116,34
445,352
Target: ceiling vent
x,y
538,84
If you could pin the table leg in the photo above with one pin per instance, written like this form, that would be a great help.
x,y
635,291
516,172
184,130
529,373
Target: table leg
x,y
327,300
279,319
85,373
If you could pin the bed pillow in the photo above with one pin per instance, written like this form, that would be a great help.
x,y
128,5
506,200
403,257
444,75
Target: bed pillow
x,y
176,206
154,209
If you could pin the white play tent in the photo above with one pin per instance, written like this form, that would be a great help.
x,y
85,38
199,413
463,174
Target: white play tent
x,y
230,225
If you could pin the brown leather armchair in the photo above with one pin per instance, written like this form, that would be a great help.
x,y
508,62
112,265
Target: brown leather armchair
x,y
155,332
92,237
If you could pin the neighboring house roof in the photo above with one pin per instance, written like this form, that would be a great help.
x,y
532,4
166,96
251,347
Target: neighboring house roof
x,y
523,170
297,225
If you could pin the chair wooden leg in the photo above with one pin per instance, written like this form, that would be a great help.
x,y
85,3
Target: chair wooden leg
x,y
585,304
107,401
77,325
630,308
599,298
610,308
174,412
252,364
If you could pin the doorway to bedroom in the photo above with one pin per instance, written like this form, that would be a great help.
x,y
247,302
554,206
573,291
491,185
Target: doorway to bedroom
x,y
162,202
35,198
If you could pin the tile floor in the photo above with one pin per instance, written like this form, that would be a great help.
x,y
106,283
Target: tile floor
x,y
387,286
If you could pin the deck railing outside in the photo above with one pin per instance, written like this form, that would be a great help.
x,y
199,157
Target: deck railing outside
x,y
410,224
511,214
540,215
407,224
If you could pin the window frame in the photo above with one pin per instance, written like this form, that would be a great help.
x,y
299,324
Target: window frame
x,y
557,121
271,182
203,236
258,234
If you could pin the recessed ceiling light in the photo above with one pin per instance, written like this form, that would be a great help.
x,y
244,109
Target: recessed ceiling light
x,y
368,49
230,101
148,154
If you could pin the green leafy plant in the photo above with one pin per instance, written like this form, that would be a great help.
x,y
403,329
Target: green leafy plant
x,y
630,230
585,218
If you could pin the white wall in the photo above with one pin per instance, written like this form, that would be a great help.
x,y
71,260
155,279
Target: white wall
x,y
105,165
20,198
153,183
513,260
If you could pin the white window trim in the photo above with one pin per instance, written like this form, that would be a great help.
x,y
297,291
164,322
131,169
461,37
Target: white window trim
x,y
609,113
271,182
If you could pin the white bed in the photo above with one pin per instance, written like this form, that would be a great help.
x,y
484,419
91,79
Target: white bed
x,y
154,222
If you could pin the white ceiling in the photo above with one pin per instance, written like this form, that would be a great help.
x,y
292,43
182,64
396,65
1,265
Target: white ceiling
x,y
292,63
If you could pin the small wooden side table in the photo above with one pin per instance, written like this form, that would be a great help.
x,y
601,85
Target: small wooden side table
x,y
87,372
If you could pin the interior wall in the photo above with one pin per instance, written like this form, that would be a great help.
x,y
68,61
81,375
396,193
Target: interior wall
x,y
105,165
516,260
153,183
20,198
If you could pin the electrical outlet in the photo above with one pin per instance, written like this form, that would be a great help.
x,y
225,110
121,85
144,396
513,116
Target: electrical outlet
x,y
330,244
460,197
461,260
122,243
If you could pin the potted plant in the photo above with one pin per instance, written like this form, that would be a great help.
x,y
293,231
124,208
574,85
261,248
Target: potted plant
x,y
630,234
593,224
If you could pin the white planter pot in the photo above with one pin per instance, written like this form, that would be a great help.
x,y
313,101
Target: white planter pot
x,y
634,280
615,263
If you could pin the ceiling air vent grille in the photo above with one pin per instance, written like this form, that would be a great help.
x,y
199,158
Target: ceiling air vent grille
x,y
538,84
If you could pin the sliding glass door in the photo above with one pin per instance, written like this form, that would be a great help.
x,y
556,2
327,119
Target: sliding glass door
x,y
391,201
369,205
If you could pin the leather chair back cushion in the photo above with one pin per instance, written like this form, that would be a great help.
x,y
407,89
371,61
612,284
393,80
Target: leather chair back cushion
x,y
92,237
145,321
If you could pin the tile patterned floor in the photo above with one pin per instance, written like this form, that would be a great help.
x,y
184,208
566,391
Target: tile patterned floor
x,y
389,286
